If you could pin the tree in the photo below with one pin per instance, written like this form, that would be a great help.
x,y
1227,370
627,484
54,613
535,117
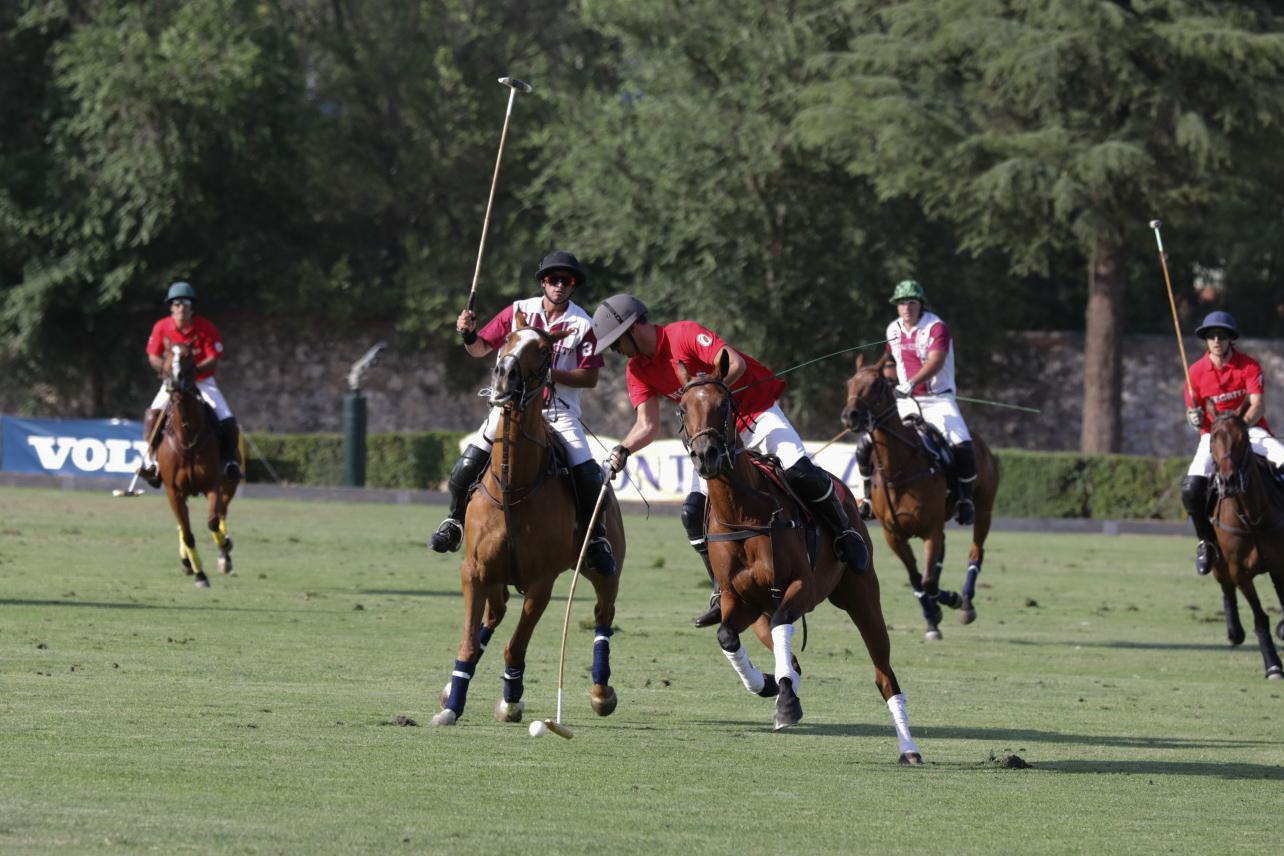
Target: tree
x,y
1035,126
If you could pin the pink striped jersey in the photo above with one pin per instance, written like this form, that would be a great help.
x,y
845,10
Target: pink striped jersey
x,y
576,351
910,349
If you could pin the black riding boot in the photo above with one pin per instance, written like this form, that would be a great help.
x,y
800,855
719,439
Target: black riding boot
x,y
229,448
815,486
147,470
693,513
588,484
467,470
1194,498
965,472
865,466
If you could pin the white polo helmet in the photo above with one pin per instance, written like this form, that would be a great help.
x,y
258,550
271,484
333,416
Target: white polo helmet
x,y
614,317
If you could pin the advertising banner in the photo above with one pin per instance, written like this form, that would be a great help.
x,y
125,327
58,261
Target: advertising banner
x,y
663,472
70,447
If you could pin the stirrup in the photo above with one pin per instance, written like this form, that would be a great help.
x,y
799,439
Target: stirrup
x,y
150,473
600,556
845,545
712,615
447,537
965,512
1205,556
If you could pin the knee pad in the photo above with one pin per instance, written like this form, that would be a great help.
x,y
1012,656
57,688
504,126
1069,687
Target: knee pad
x,y
1194,494
865,454
693,509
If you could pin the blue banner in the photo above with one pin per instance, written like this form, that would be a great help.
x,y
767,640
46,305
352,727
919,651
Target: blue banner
x,y
70,447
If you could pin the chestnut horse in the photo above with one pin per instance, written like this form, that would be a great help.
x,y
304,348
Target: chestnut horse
x,y
189,464
910,494
1249,519
758,549
521,531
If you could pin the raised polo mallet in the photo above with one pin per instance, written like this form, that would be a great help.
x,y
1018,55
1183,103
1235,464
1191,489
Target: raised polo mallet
x,y
514,86
1172,304
555,725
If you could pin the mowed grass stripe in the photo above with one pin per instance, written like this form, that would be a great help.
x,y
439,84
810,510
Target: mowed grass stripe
x,y
252,717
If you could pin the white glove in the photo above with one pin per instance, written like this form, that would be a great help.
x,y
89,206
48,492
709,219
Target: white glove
x,y
903,390
1195,417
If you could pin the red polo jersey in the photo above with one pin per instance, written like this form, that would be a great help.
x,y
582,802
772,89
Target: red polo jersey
x,y
697,347
202,336
1227,386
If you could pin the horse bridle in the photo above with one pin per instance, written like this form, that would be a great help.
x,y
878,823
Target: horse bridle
x,y
727,433
528,386
1234,484
179,385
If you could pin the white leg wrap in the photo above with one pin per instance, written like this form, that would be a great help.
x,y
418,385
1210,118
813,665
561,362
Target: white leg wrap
x,y
782,641
900,719
748,672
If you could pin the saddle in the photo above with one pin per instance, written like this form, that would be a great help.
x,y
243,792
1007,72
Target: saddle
x,y
938,450
771,469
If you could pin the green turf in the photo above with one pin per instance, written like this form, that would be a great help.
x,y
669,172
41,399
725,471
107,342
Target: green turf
x,y
138,714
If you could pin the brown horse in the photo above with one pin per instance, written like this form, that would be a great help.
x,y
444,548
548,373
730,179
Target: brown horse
x,y
1249,519
521,531
911,495
759,551
188,460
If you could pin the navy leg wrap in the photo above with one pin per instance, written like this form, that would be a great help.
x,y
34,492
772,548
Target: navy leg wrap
x,y
602,656
969,587
483,639
514,687
459,678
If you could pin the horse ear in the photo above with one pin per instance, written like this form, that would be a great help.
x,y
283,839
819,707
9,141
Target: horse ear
x,y
519,320
560,334
860,362
684,376
724,363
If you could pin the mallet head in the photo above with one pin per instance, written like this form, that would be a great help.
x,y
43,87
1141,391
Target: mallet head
x,y
513,83
1155,224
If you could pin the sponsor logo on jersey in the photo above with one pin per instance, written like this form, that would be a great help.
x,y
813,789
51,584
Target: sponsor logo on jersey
x,y
704,339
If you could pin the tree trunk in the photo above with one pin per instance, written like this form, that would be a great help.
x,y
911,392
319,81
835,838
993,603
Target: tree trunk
x,y
1102,352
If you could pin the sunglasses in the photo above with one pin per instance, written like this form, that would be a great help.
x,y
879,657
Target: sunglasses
x,y
557,279
1220,335
181,301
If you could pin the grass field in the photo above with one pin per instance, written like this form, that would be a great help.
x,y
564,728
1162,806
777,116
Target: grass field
x,y
138,714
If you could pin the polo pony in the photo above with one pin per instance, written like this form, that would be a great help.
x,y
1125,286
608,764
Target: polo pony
x,y
1248,515
189,464
521,531
911,495
768,559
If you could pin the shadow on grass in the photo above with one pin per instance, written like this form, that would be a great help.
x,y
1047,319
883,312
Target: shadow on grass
x,y
1000,736
414,592
1127,645
1219,770
98,604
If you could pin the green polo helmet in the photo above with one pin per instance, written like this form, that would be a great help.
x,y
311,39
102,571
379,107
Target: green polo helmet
x,y
180,290
908,289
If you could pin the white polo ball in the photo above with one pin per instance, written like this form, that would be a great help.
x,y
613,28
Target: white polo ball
x,y
538,728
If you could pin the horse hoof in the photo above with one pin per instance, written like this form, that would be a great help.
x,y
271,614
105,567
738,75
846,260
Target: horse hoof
x,y
1235,638
933,634
225,564
1274,673
445,695
967,615
509,711
912,759
603,700
446,717
202,581
788,707
187,566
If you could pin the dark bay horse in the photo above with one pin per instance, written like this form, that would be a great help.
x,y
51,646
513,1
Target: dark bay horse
x,y
758,549
911,496
1248,515
188,460
521,531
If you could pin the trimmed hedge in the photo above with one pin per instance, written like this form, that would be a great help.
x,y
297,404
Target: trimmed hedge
x,y
417,461
1031,484
1106,487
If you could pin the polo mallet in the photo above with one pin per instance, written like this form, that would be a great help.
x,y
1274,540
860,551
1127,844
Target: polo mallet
x,y
840,435
514,86
151,438
1172,304
555,725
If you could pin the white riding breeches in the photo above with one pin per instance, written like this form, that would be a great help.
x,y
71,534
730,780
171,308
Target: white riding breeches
x,y
939,411
772,434
560,420
1261,441
209,391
